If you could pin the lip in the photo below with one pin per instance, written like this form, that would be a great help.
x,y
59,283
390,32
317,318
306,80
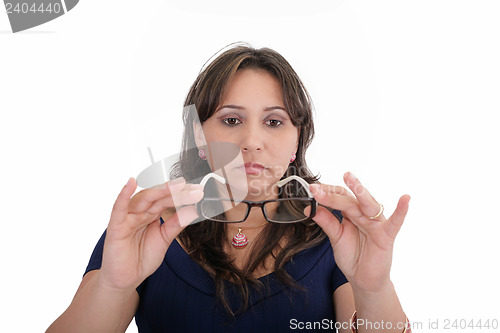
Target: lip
x,y
252,168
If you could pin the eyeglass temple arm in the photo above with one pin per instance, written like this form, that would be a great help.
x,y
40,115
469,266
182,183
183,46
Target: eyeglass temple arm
x,y
279,183
300,180
212,175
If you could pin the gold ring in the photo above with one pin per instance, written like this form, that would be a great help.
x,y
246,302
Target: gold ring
x,y
378,214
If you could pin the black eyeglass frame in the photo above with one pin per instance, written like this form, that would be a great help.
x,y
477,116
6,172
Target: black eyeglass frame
x,y
250,204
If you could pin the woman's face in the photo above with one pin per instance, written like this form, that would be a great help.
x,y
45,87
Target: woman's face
x,y
252,115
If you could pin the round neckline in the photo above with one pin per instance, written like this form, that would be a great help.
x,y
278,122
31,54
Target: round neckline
x,y
192,273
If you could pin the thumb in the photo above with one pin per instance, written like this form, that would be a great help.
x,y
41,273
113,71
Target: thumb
x,y
397,218
176,221
328,222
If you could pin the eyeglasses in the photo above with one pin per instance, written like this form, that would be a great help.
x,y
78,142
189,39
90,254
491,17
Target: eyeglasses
x,y
281,210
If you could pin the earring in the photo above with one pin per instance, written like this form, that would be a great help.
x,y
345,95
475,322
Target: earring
x,y
293,157
201,154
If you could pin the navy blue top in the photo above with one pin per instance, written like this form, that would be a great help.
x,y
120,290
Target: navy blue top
x,y
180,295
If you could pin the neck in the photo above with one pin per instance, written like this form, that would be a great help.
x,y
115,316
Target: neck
x,y
246,227
254,220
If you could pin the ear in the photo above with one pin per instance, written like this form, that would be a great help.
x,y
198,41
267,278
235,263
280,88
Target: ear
x,y
298,137
199,137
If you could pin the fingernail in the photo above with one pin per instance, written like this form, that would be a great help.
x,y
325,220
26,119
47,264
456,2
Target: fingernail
x,y
129,182
353,176
197,190
196,187
197,194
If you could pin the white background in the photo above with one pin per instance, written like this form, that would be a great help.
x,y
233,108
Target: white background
x,y
405,94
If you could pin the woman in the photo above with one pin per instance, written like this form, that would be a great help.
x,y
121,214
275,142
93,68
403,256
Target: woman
x,y
253,275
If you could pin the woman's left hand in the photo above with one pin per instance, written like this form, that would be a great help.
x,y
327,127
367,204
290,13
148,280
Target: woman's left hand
x,y
362,246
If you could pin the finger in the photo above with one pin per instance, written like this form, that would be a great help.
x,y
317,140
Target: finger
x,y
120,207
144,199
188,196
336,197
333,192
328,222
330,189
174,224
397,218
369,206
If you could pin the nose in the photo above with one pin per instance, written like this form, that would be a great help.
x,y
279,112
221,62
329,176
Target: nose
x,y
253,139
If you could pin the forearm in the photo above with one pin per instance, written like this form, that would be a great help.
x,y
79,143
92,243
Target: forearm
x,y
379,311
96,308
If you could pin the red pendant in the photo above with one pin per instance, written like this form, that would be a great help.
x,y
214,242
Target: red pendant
x,y
239,240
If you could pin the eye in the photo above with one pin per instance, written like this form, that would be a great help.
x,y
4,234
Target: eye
x,y
274,122
231,121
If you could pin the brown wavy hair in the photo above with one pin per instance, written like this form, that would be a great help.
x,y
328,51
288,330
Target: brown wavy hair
x,y
205,241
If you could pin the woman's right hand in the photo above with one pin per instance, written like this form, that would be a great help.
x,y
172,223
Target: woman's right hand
x,y
136,241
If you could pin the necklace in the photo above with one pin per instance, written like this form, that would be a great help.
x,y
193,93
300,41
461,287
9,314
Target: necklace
x,y
240,240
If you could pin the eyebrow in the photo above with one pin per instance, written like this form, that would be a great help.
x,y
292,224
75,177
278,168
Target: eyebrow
x,y
238,107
